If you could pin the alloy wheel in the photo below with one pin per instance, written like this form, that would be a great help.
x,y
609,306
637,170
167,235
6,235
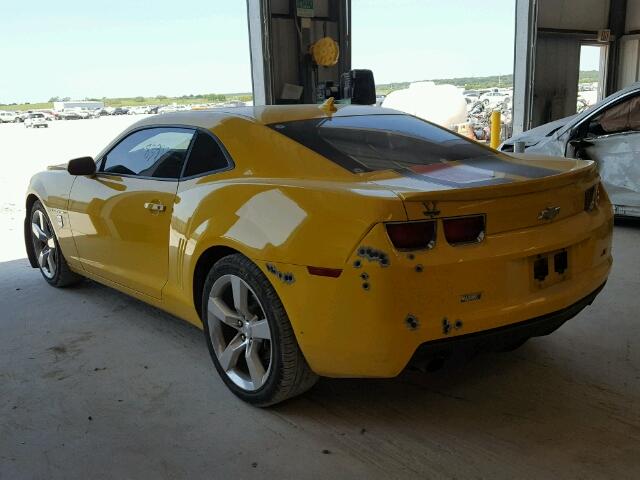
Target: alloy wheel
x,y
240,332
44,243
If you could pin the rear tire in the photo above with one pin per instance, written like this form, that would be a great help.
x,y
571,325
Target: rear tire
x,y
51,262
249,336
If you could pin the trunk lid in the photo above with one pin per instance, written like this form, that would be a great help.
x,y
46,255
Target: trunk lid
x,y
512,196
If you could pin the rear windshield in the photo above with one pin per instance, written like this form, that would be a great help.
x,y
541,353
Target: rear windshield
x,y
369,143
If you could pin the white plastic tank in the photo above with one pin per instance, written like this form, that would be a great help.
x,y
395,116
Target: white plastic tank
x,y
441,104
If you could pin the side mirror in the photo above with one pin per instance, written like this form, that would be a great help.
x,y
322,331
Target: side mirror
x,y
82,166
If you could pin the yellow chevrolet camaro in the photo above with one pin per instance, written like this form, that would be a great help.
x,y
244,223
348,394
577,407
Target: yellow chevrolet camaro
x,y
309,243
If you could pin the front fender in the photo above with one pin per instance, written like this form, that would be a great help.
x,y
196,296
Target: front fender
x,y
52,188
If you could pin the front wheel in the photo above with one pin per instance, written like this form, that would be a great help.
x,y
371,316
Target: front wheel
x,y
249,336
51,261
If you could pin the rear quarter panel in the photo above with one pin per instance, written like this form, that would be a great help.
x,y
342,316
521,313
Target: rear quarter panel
x,y
289,223
281,203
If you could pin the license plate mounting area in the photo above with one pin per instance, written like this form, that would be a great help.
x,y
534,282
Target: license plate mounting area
x,y
550,268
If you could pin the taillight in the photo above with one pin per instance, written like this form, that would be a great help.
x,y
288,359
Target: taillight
x,y
461,230
412,235
592,198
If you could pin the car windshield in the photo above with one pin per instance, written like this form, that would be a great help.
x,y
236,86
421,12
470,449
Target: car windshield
x,y
369,143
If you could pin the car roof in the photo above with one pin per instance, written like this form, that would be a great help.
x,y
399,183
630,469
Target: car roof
x,y
261,114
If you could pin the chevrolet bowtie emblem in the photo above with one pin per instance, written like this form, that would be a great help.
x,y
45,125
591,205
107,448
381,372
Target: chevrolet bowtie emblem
x,y
549,213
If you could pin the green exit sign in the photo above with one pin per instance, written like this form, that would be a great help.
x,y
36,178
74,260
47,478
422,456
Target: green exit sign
x,y
304,8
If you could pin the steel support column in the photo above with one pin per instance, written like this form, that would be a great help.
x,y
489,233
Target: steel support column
x,y
523,64
258,17
617,21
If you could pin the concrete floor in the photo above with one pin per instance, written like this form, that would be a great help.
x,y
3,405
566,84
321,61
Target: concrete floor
x,y
94,384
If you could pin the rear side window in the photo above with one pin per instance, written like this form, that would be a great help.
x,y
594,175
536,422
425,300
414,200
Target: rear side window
x,y
153,152
369,143
206,156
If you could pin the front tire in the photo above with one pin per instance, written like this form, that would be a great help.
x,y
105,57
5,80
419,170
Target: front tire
x,y
51,261
249,336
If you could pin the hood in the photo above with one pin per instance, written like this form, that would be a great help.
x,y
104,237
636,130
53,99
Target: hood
x,y
535,135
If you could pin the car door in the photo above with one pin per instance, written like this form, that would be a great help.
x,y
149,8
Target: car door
x,y
612,139
120,217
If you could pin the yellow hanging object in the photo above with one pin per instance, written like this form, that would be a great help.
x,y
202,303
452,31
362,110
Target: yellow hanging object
x,y
325,52
328,105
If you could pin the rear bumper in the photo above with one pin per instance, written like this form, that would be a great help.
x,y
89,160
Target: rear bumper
x,y
372,319
460,349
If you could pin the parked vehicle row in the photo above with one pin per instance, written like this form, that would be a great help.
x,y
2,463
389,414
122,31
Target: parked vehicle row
x,y
78,113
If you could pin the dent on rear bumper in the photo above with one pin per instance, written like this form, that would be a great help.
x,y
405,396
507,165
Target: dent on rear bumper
x,y
369,321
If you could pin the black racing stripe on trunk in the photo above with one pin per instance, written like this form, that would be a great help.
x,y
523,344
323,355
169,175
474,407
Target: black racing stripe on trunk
x,y
437,181
497,165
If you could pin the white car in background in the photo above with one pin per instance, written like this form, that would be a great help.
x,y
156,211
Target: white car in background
x,y
84,113
8,117
606,133
494,99
36,120
138,110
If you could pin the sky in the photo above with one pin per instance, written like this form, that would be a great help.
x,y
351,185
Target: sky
x,y
113,48
126,48
407,40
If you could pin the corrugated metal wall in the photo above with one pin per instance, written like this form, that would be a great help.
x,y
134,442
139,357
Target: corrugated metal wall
x,y
629,63
556,77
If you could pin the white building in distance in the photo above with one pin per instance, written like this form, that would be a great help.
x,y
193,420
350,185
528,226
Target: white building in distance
x,y
77,104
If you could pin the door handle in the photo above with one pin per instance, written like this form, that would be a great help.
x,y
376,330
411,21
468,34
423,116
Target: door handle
x,y
155,207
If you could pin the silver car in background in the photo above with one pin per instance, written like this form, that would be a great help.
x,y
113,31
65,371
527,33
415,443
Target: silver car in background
x,y
608,133
36,120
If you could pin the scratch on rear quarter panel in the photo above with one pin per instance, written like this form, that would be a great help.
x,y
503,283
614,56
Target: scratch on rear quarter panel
x,y
412,322
284,277
374,255
446,326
